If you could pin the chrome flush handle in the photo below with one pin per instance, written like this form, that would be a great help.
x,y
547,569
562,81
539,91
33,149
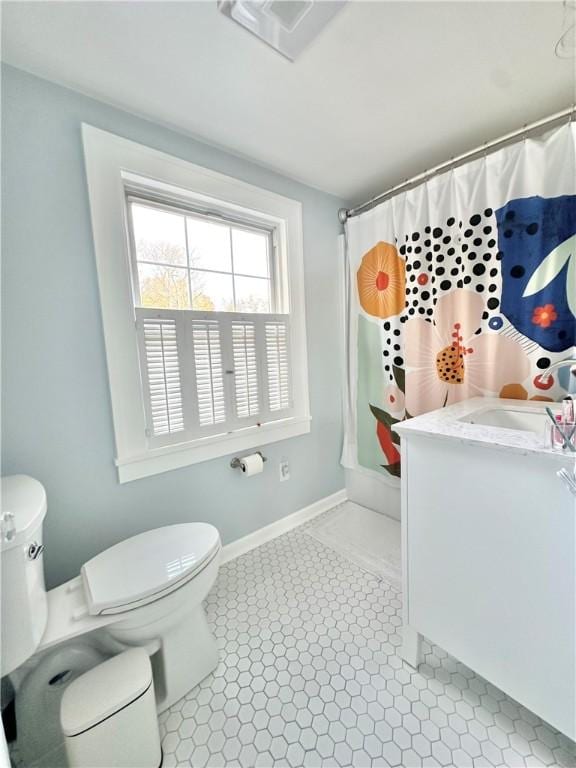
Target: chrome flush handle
x,y
35,550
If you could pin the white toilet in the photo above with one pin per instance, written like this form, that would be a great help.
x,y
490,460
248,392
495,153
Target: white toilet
x,y
146,591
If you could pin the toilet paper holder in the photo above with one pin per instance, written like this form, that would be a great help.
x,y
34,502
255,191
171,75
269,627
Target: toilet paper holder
x,y
236,462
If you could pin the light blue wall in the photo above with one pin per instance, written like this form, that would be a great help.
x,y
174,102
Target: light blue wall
x,y
57,422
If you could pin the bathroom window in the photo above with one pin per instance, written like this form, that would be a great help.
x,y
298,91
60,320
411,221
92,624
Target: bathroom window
x,y
213,356
202,299
185,259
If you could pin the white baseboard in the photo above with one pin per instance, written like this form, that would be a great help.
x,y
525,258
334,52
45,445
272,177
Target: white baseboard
x,y
285,524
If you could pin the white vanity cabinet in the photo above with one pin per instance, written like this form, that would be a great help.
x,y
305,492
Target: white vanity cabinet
x,y
489,551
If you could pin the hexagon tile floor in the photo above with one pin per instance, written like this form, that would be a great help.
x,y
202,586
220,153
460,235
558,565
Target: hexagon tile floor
x,y
310,676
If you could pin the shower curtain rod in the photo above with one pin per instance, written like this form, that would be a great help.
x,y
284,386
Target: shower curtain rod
x,y
488,147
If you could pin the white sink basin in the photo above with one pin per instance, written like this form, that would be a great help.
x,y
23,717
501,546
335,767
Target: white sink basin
x,y
520,426
523,419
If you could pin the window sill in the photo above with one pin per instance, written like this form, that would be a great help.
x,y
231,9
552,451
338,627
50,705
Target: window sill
x,y
158,460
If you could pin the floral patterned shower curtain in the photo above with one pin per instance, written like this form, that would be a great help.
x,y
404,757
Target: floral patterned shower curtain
x,y
463,286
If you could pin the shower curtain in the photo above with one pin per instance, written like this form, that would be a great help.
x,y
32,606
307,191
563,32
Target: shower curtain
x,y
463,286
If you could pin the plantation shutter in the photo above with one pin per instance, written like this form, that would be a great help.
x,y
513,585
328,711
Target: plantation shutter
x,y
246,378
277,365
207,373
207,359
162,374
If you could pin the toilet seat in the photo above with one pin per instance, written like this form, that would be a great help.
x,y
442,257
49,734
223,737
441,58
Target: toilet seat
x,y
145,567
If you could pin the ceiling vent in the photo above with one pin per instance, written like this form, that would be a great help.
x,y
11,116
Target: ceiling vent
x,y
288,26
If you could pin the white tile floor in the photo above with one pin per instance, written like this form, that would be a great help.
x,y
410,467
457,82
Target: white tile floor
x,y
310,676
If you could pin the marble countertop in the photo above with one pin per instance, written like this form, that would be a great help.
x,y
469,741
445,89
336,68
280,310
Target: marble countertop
x,y
447,424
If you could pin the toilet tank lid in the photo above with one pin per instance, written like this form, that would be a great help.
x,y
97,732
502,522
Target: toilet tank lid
x,y
25,498
105,690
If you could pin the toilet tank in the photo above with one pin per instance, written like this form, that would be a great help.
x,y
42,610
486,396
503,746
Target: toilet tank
x,y
24,608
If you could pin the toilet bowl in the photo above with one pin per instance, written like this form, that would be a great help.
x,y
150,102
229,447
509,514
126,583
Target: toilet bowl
x,y
176,634
146,591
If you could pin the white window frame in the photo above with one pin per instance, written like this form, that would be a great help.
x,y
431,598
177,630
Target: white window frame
x,y
114,166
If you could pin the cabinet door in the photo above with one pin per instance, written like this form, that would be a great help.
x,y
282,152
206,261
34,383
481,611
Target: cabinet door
x,y
490,546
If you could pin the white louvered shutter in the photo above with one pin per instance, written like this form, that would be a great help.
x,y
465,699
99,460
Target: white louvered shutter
x,y
277,365
162,373
209,373
246,369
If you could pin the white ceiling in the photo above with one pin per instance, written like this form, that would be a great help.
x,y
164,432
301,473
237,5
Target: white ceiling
x,y
387,90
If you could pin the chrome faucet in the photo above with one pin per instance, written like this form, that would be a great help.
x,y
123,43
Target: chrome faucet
x,y
560,364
